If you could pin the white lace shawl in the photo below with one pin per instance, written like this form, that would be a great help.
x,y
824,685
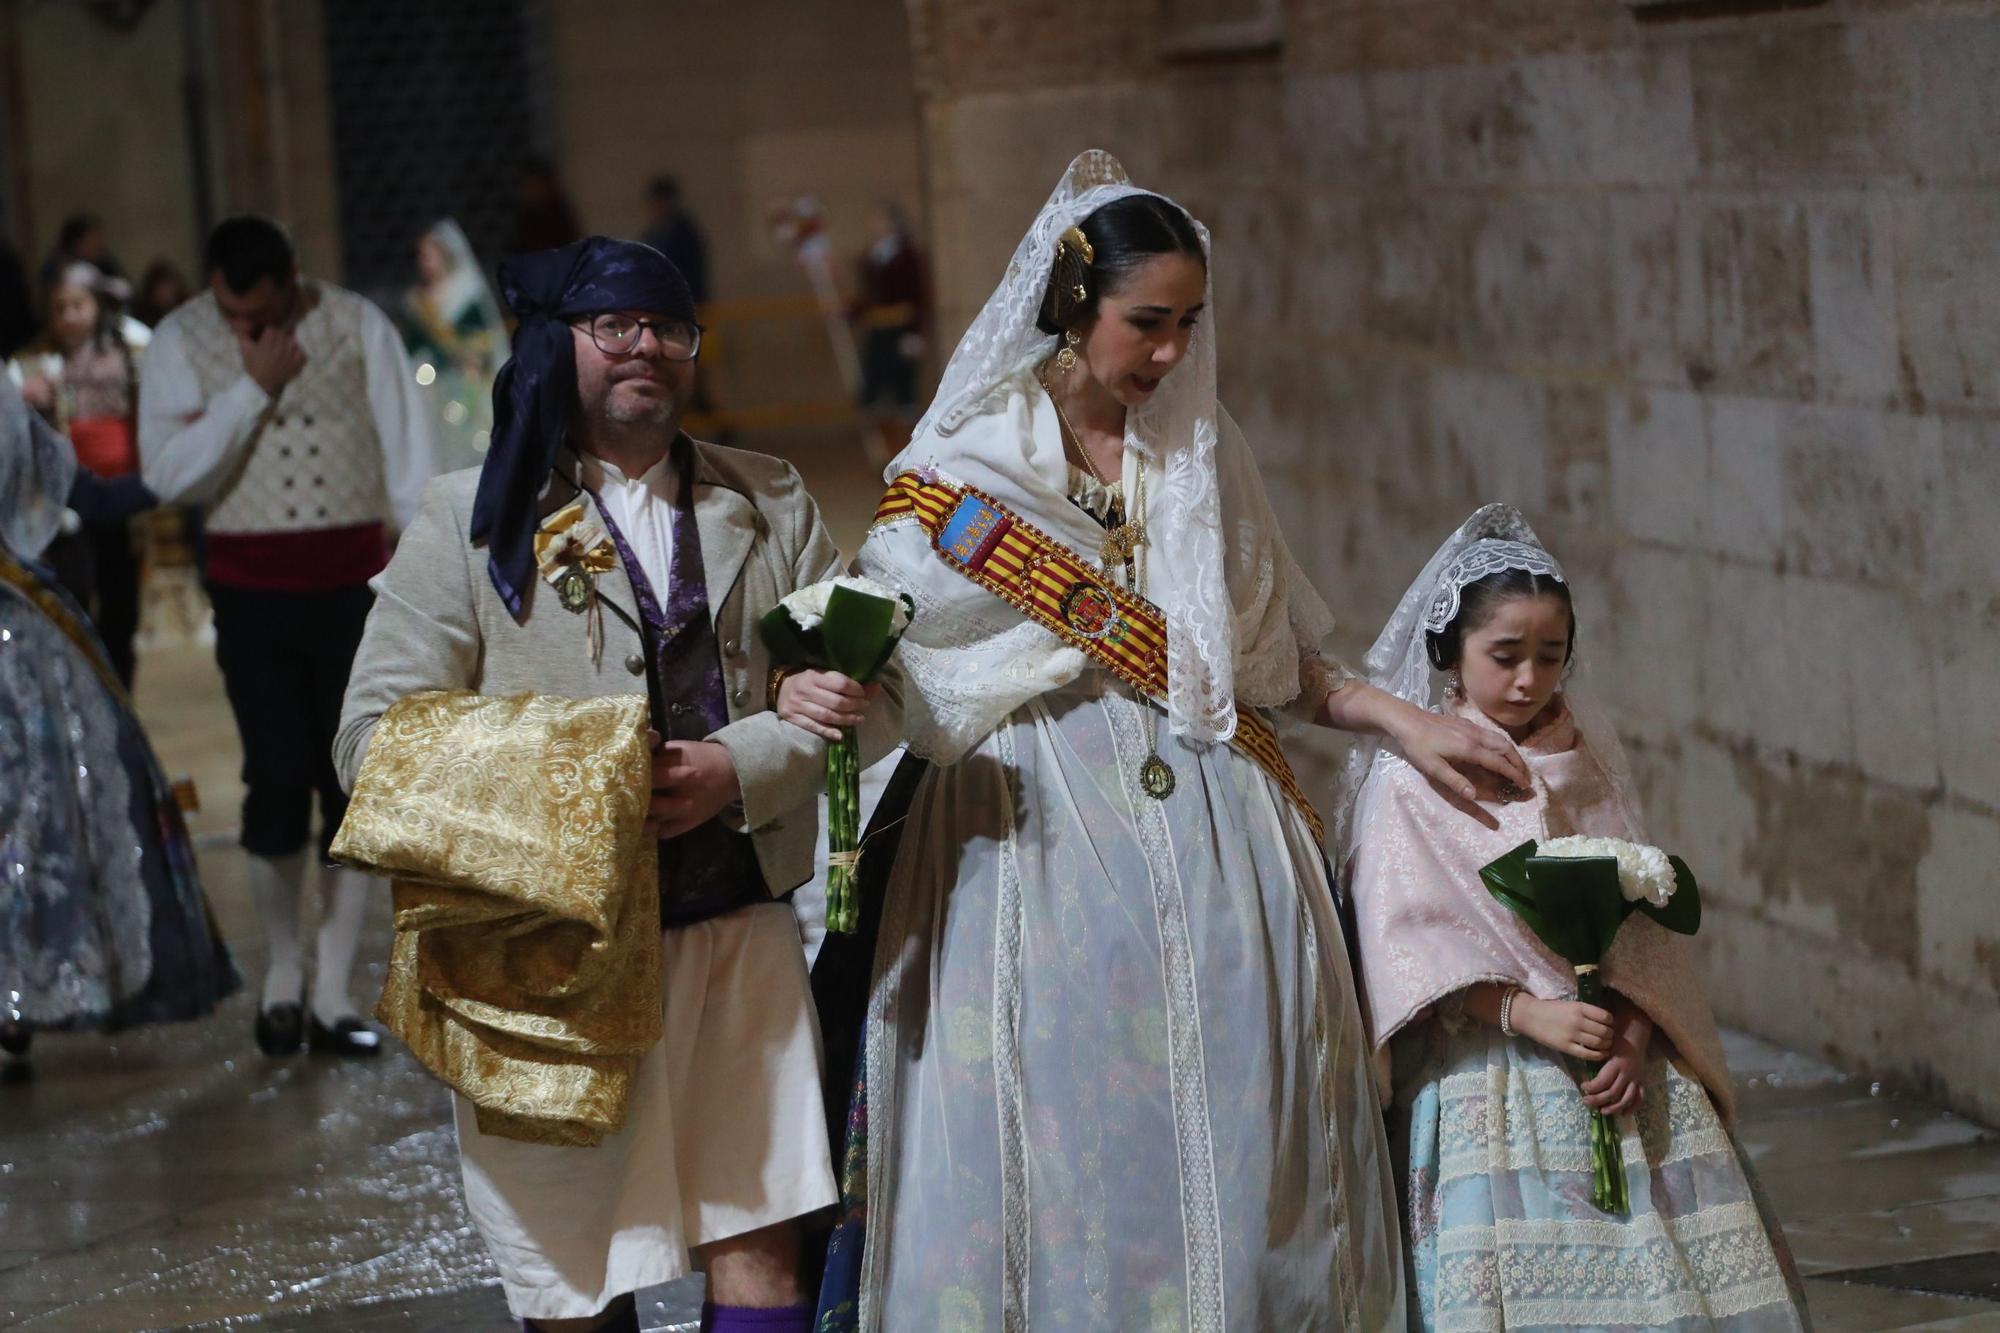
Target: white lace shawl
x,y
1244,624
971,659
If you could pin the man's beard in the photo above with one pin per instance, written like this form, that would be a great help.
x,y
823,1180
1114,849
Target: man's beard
x,y
662,411
639,411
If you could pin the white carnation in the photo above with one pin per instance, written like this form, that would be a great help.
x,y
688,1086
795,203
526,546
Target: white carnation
x,y
807,606
1643,872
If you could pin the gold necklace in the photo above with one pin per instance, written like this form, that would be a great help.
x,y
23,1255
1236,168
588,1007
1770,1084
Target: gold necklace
x,y
1121,543
1124,544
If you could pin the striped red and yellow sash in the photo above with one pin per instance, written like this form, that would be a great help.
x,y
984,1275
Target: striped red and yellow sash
x,y
1068,596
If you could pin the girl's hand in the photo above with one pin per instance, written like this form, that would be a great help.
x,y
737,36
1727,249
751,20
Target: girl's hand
x,y
1567,1027
40,393
823,702
1618,1088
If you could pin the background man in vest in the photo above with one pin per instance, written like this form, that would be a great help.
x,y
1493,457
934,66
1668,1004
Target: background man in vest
x,y
287,407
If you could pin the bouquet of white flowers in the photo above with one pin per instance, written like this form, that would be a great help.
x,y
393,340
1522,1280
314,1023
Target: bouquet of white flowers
x,y
1575,893
850,625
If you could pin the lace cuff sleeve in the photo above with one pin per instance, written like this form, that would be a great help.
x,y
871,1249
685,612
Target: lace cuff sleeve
x,y
1319,676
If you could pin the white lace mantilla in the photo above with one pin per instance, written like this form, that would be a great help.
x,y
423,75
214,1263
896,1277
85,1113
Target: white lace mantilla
x,y
1482,560
1240,613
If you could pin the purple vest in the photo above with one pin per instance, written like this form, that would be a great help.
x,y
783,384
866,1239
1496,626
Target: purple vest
x,y
711,869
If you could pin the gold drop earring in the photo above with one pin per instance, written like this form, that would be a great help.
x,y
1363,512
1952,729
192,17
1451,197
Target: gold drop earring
x,y
1066,354
1454,688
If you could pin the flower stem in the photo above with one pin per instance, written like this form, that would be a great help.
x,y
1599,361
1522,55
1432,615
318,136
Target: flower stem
x,y
843,832
1607,1154
1607,1150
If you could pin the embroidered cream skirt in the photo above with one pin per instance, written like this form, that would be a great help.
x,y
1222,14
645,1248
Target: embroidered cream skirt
x,y
725,1133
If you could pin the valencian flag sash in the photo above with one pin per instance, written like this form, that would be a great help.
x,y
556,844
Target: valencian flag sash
x,y
1068,596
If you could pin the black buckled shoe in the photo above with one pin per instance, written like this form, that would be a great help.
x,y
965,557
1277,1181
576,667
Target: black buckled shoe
x,y
281,1029
348,1036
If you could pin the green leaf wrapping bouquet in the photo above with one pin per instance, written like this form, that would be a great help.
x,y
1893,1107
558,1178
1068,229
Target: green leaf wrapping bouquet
x,y
850,625
1575,893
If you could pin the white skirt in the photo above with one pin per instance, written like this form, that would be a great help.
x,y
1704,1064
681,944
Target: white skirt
x,y
724,1134
1117,1074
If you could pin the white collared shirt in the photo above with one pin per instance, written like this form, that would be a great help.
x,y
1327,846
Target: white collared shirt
x,y
643,509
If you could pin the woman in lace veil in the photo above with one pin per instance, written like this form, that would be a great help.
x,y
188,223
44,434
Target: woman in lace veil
x,y
1479,1020
108,928
453,329
1113,1068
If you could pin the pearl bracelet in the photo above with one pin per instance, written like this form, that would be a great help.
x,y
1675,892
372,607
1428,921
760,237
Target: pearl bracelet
x,y
1507,1011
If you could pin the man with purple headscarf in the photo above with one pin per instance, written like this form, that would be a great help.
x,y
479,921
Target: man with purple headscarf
x,y
724,1145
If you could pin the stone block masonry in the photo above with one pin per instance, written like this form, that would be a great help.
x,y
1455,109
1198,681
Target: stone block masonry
x,y
1716,302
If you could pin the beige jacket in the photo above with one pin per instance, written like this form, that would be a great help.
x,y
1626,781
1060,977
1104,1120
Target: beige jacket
x,y
438,624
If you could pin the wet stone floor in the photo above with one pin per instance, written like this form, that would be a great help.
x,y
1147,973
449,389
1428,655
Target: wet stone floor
x,y
175,1178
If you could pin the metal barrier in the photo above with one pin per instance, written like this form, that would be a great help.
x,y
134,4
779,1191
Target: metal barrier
x,y
723,403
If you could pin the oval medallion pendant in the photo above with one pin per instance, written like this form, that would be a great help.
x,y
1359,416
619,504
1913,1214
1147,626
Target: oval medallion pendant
x,y
573,589
1156,777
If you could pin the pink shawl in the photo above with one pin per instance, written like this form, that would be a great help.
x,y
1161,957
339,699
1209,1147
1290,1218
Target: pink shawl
x,y
1429,928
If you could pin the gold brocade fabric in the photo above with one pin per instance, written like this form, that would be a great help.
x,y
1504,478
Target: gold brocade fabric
x,y
526,966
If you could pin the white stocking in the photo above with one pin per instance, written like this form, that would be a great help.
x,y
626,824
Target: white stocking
x,y
274,887
346,902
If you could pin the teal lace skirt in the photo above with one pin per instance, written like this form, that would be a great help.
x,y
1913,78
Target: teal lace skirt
x,y
1492,1147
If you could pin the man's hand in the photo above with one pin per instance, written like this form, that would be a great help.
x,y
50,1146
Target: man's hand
x,y
1619,1087
273,359
40,393
824,701
693,782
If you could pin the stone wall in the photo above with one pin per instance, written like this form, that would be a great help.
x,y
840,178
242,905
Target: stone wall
x,y
1713,299
113,143
107,130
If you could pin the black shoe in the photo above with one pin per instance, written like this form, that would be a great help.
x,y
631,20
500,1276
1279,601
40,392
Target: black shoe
x,y
15,1039
349,1036
626,1320
281,1029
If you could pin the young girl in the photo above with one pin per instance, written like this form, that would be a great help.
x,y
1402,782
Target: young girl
x,y
81,376
1489,1051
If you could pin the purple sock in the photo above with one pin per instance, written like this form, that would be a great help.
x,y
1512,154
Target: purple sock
x,y
744,1319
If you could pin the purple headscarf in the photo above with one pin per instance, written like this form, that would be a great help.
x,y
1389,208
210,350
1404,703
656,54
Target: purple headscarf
x,y
534,393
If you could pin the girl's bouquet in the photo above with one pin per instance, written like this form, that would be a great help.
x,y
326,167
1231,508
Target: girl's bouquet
x,y
849,625
1575,893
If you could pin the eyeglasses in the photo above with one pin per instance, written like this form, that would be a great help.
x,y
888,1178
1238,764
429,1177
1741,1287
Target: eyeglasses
x,y
618,335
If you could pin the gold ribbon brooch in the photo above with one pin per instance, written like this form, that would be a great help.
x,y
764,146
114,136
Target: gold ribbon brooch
x,y
571,549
